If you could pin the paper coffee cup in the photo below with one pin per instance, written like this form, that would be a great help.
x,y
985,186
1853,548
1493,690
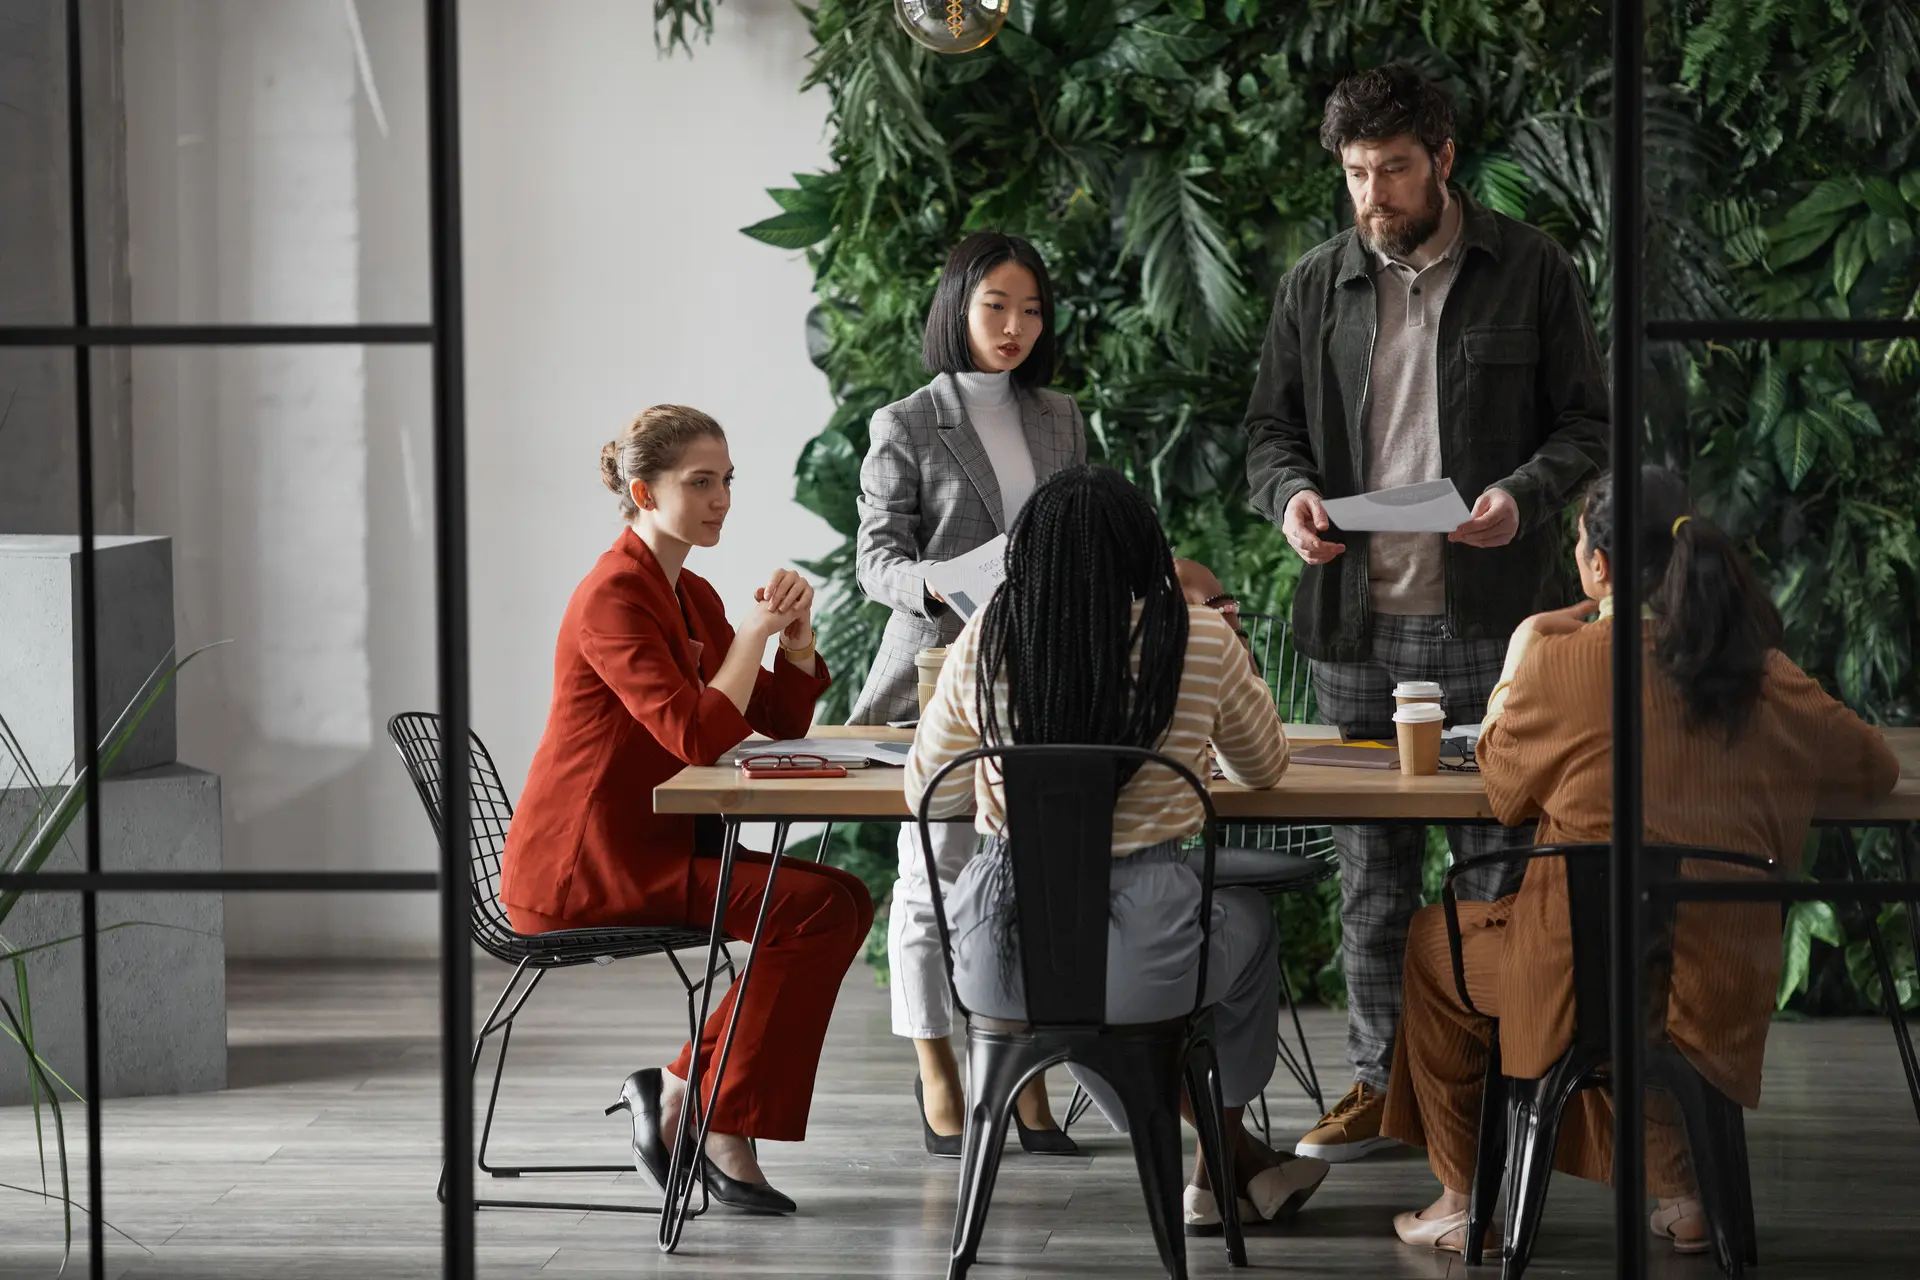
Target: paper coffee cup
x,y
1410,691
926,695
1417,725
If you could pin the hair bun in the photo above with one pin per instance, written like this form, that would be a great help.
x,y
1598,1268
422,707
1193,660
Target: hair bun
x,y
610,467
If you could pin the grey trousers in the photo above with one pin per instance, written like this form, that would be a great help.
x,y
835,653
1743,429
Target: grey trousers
x,y
1380,866
1153,960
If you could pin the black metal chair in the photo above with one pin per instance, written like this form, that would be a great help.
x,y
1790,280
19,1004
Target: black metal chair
x,y
1520,1118
417,735
1059,832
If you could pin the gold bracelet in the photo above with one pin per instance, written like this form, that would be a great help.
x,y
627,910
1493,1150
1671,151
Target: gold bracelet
x,y
800,654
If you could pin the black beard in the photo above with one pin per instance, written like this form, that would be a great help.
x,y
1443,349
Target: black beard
x,y
1405,234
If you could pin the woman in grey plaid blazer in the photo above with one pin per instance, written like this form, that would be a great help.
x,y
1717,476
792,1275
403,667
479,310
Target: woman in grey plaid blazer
x,y
946,471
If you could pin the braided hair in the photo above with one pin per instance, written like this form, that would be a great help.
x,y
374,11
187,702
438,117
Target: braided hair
x,y
1086,547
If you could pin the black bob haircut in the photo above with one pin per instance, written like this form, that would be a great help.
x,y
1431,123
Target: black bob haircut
x,y
945,349
1384,103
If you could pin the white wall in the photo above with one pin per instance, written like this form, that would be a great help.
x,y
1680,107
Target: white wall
x,y
604,272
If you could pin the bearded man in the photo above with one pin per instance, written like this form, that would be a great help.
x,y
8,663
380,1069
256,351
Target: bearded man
x,y
1435,339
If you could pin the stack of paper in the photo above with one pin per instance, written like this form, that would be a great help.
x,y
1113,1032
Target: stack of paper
x,y
851,753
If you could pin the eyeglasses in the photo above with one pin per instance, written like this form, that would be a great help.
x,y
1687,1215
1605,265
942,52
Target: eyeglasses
x,y
769,761
1456,756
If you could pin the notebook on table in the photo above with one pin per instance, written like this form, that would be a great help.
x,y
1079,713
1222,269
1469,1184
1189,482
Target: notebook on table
x,y
1349,755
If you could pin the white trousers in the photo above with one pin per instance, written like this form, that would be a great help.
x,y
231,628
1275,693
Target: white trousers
x,y
922,1003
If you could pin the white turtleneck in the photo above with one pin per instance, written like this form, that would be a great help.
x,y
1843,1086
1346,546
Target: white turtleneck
x,y
994,410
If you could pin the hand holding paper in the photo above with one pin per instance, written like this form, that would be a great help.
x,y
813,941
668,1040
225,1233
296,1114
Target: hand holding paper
x,y
1495,521
965,583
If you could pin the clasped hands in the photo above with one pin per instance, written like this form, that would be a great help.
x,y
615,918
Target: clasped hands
x,y
784,607
1494,522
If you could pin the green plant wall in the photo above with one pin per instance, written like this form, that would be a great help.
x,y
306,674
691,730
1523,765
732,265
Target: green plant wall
x,y
1163,154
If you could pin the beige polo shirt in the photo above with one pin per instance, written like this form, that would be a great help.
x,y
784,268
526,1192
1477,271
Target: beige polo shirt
x,y
1400,422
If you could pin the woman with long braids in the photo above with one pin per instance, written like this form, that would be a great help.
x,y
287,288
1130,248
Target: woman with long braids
x,y
1738,743
1089,640
947,470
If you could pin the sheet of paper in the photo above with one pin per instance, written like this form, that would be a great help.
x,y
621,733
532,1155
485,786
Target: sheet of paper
x,y
1312,732
967,582
1433,506
852,752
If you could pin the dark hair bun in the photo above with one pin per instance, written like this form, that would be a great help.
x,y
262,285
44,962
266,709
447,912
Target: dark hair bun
x,y
610,466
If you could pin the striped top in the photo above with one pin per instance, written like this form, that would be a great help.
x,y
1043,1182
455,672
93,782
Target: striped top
x,y
1221,700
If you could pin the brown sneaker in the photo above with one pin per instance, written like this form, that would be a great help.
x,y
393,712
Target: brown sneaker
x,y
1351,1130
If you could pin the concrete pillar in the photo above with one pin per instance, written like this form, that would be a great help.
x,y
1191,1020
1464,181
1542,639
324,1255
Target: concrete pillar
x,y
39,478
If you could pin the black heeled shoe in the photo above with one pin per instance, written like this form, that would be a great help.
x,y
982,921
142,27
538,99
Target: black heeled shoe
x,y
947,1146
640,1097
749,1197
1044,1142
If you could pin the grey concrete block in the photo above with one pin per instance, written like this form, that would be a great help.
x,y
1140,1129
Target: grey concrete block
x,y
163,982
40,658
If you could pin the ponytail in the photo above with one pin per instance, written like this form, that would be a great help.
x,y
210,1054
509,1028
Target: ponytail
x,y
1713,625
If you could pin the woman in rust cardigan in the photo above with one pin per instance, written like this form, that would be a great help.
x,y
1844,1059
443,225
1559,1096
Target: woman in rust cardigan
x,y
648,678
1738,746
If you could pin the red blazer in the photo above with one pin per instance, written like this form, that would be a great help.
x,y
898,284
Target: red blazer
x,y
631,708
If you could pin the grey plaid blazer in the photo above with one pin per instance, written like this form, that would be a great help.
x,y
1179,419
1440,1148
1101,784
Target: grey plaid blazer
x,y
927,494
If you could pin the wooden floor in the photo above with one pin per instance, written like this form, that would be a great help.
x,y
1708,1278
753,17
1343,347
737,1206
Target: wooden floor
x,y
320,1159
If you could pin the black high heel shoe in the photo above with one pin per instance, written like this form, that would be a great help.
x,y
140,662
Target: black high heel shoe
x,y
947,1146
640,1097
1044,1142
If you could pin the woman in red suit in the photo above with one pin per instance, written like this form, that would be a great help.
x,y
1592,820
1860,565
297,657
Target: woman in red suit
x,y
648,678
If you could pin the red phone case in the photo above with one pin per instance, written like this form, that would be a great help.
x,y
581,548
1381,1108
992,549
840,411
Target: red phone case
x,y
830,771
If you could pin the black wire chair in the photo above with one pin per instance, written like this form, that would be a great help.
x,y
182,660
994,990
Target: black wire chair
x,y
417,735
1059,833
1520,1118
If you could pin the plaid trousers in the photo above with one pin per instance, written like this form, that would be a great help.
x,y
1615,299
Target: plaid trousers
x,y
1379,865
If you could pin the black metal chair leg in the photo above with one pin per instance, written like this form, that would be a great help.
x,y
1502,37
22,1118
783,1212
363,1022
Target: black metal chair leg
x,y
1902,1037
1490,1153
995,1068
1301,1069
1534,1126
1148,1082
1203,1095
1077,1106
1707,1142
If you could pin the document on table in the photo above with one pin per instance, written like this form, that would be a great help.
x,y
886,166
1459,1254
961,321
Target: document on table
x,y
1433,506
852,753
967,582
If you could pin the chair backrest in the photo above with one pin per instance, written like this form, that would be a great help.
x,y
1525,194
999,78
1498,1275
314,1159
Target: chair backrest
x,y
1285,671
1589,895
1281,665
417,735
1059,837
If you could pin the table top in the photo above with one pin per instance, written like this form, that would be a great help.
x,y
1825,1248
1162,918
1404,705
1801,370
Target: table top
x,y
1307,793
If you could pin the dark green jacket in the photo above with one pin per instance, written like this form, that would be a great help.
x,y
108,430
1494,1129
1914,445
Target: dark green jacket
x,y
1523,405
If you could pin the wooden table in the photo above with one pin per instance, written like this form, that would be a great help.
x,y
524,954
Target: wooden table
x,y
1307,795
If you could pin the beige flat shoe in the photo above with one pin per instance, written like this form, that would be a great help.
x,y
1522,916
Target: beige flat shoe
x,y
1202,1212
1427,1233
1278,1193
1663,1221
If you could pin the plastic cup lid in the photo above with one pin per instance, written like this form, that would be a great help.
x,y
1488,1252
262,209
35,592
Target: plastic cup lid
x,y
1416,689
1419,713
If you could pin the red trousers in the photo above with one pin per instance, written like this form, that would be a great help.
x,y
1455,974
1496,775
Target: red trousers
x,y
816,926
